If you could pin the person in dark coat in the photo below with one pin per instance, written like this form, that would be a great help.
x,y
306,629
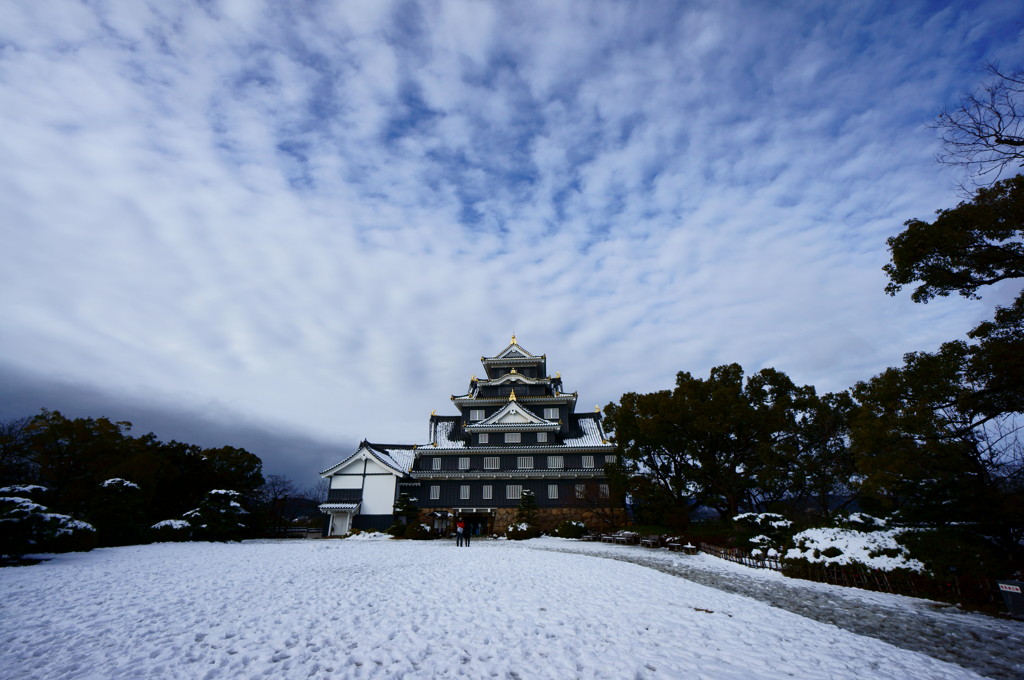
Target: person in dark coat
x,y
460,533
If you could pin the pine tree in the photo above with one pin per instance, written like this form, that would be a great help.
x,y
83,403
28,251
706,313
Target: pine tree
x,y
527,513
218,517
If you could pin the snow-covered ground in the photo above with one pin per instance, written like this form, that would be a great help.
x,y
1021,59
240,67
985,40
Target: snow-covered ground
x,y
407,609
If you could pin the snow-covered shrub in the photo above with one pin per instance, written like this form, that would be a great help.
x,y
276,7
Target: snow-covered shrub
x,y
27,526
571,529
170,531
522,531
419,532
860,521
369,536
836,546
218,517
771,532
763,520
70,535
117,512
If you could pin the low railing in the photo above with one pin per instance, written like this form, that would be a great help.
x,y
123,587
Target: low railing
x,y
742,557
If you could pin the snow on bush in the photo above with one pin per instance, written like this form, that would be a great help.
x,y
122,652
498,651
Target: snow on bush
x,y
768,520
864,522
27,526
368,536
23,490
876,549
117,481
172,524
571,529
522,531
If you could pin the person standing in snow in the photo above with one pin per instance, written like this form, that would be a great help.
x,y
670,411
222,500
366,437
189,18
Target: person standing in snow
x,y
460,533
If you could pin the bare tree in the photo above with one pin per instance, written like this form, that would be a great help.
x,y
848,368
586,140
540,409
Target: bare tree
x,y
317,491
275,491
984,135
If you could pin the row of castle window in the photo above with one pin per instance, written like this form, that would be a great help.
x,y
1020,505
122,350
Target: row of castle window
x,y
511,438
522,462
479,414
514,492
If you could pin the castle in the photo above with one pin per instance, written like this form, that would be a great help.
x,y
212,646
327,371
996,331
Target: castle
x,y
516,430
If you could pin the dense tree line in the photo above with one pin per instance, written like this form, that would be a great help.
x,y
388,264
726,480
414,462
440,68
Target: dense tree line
x,y
94,471
934,442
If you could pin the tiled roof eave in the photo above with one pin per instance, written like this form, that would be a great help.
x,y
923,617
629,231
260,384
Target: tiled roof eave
x,y
526,399
534,359
349,507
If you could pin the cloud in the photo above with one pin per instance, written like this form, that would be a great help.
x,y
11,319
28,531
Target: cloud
x,y
320,216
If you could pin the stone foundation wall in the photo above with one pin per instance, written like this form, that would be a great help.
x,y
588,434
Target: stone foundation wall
x,y
548,518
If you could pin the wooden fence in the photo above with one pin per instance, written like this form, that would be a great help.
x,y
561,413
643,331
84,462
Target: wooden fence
x,y
741,557
954,588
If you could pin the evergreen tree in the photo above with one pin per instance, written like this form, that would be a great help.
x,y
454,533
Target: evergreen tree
x,y
219,517
27,526
527,513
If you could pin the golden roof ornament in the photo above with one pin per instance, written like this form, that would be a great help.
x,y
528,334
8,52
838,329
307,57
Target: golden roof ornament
x,y
512,397
433,412
597,409
513,370
558,375
514,337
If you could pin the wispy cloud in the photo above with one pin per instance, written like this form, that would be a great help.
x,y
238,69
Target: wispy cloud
x,y
320,215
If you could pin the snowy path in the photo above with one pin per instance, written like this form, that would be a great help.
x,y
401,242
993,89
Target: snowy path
x,y
406,609
992,647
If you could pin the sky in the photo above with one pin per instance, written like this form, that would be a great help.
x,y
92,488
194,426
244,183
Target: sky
x,y
293,226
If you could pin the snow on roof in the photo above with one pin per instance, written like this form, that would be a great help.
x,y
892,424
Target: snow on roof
x,y
351,507
593,434
442,435
400,459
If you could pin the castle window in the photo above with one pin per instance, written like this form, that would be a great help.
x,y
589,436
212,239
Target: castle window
x,y
556,462
524,462
435,492
463,463
609,460
552,491
464,492
437,463
513,437
581,491
514,492
588,461
542,437
551,413
476,414
492,463
488,492
482,438
604,490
